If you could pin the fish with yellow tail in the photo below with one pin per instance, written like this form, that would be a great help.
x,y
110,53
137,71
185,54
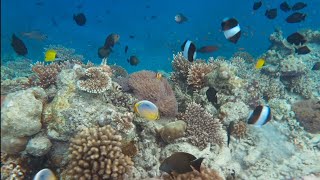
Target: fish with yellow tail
x,y
45,174
51,55
159,75
147,110
260,63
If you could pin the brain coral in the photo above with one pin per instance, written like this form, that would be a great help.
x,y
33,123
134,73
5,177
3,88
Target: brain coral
x,y
95,153
146,86
308,114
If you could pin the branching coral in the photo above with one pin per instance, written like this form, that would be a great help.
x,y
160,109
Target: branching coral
x,y
181,67
146,86
46,75
197,73
308,114
205,174
11,167
95,153
202,128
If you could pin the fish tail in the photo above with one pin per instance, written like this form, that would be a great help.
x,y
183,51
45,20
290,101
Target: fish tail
x,y
196,164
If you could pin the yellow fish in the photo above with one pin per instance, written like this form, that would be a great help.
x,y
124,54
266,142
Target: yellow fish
x,y
147,110
158,75
260,63
45,174
50,55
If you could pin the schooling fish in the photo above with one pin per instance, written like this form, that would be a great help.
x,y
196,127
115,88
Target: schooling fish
x,y
298,6
80,19
303,50
207,49
180,162
231,29
147,110
296,17
285,7
260,116
18,45
133,60
180,18
189,50
316,66
271,13
45,174
296,38
257,5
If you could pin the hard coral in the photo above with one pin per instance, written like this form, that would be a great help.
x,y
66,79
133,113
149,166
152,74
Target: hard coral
x,y
146,86
202,128
239,129
197,73
181,67
205,174
308,114
95,153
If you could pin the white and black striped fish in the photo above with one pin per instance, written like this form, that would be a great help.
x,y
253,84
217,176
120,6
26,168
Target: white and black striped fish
x,y
260,116
189,50
231,29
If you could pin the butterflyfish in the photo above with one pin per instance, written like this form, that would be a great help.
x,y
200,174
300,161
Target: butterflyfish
x,y
50,55
147,110
45,174
260,63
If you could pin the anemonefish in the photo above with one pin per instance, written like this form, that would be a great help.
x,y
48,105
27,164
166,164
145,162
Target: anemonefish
x,y
260,116
189,50
50,55
147,110
260,63
231,29
45,174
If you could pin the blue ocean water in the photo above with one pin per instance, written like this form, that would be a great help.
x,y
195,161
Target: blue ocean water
x,y
156,35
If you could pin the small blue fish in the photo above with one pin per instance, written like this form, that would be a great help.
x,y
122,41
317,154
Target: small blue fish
x,y
147,110
45,174
260,116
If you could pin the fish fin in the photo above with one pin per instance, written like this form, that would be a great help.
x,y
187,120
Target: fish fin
x,y
196,164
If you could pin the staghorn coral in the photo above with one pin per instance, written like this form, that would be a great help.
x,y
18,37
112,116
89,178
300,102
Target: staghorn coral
x,y
308,114
146,86
197,73
239,129
96,80
95,153
202,128
205,174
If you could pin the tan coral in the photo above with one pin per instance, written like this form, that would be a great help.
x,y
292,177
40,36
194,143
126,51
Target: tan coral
x,y
95,153
197,73
205,174
239,129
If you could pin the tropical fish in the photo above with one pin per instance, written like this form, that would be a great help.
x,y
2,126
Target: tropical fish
x,y
133,60
231,29
299,6
189,50
159,76
257,5
229,131
302,50
104,52
260,116
180,18
18,45
111,40
296,17
50,55
126,49
80,19
260,63
45,174
271,13
36,35
285,7
207,49
180,162
147,110
316,66
296,38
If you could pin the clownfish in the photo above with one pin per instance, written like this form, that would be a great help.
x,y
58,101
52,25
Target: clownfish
x,y
189,50
147,110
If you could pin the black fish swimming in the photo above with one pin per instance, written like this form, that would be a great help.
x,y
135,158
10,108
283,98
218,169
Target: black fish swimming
x,y
18,46
316,66
257,5
303,50
296,17
271,13
133,60
180,162
296,38
80,19
189,50
104,52
285,6
298,6
111,40
229,131
126,49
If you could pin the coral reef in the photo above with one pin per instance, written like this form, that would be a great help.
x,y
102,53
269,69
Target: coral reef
x,y
146,86
65,54
39,145
205,174
173,130
308,114
95,153
197,73
239,129
12,167
202,128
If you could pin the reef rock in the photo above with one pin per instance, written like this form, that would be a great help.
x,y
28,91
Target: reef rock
x,y
38,146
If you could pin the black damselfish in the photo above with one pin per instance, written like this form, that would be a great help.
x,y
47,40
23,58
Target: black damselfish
x,y
303,50
296,17
18,45
296,38
80,19
299,6
271,13
285,6
257,5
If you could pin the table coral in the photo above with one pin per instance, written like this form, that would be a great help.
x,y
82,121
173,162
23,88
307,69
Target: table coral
x,y
95,153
